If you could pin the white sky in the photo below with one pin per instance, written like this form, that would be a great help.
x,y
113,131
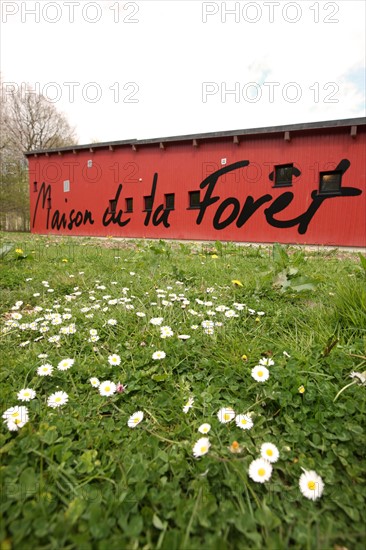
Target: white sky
x,y
176,59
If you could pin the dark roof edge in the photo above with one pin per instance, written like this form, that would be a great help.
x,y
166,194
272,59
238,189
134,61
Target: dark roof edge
x,y
212,135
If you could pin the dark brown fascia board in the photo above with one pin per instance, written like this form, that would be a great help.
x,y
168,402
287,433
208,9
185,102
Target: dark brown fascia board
x,y
213,135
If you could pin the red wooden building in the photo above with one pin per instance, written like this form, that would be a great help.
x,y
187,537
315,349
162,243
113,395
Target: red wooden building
x,y
302,183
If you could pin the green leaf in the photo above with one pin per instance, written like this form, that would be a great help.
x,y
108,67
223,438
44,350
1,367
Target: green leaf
x,y
160,377
75,509
158,523
362,260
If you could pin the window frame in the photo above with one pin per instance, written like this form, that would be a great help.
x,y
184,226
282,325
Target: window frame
x,y
167,197
129,205
194,206
338,173
287,183
146,209
112,208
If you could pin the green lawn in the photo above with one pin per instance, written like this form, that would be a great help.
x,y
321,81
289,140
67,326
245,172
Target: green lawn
x,y
270,334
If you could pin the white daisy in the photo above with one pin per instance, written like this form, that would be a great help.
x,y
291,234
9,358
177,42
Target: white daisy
x,y
230,313
204,428
107,388
16,417
360,376
114,359
201,447
266,361
188,405
159,355
16,316
65,364
57,399
156,321
94,382
226,415
270,452
26,394
260,470
311,484
183,336
135,419
45,370
244,421
166,332
260,373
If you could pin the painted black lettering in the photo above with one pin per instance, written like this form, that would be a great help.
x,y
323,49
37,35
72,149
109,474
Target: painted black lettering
x,y
251,206
113,217
210,183
43,194
57,221
152,195
161,216
235,204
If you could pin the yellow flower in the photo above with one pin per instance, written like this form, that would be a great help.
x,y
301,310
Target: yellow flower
x,y
236,282
214,256
65,260
244,357
301,389
19,251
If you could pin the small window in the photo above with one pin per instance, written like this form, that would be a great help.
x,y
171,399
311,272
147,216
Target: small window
x,y
283,175
148,203
129,205
194,199
35,187
330,183
112,206
169,201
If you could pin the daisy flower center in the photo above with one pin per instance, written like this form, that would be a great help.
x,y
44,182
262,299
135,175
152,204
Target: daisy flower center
x,y
311,485
269,452
261,471
135,420
14,415
58,399
260,373
243,421
17,421
227,416
203,449
107,388
26,394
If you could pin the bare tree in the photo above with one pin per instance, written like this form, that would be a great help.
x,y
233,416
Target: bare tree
x,y
32,122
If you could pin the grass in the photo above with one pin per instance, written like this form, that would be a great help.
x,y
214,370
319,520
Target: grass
x,y
77,477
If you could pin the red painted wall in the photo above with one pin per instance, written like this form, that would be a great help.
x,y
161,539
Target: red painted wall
x,y
181,168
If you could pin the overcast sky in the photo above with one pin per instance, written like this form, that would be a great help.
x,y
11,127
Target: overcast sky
x,y
123,70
